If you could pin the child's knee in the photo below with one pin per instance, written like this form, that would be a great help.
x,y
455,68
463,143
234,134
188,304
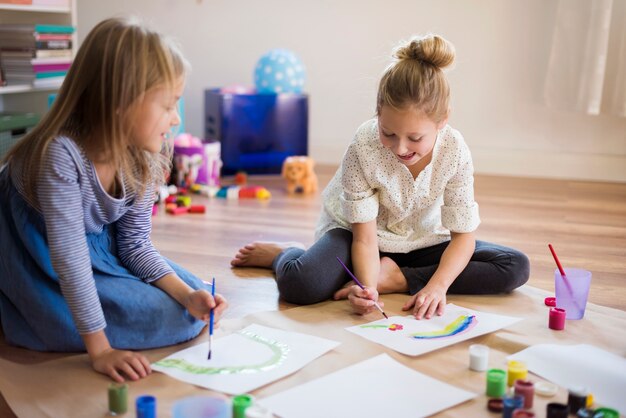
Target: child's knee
x,y
300,289
519,270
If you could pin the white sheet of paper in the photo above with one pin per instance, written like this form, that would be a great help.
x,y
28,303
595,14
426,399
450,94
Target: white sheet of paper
x,y
245,360
601,372
377,387
403,340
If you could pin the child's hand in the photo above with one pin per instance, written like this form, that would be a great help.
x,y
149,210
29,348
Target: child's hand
x,y
361,300
200,302
427,301
114,362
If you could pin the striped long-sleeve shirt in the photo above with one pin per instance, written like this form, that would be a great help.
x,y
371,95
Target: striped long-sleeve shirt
x,y
73,203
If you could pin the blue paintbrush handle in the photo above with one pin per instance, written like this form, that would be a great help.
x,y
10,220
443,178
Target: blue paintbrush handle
x,y
211,314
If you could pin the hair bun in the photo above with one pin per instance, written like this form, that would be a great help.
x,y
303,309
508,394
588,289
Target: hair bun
x,y
429,49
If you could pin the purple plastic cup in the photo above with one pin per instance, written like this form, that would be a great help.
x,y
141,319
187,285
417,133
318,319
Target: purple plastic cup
x,y
202,407
571,293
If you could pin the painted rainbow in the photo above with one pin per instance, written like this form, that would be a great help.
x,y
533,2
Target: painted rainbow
x,y
460,325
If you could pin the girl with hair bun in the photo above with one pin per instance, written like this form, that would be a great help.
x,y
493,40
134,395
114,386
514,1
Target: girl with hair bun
x,y
401,207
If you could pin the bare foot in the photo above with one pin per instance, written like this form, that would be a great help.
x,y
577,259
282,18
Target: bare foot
x,y
391,279
261,254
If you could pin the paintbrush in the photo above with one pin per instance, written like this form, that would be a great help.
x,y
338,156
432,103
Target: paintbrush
x,y
211,319
564,276
358,283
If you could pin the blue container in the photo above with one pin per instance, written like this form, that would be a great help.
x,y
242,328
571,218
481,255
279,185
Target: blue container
x,y
257,131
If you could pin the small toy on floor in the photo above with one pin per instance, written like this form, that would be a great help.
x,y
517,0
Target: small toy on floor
x,y
298,171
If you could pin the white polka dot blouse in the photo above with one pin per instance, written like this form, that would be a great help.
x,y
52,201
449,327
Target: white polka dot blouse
x,y
410,213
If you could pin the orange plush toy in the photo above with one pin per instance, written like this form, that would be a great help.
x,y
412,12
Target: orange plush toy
x,y
298,171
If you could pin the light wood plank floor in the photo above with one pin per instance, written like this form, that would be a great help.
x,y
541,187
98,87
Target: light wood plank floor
x,y
585,221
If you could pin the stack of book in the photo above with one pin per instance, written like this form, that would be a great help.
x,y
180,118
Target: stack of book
x,y
37,55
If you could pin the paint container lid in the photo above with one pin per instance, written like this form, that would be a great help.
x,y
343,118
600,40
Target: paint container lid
x,y
523,413
550,301
546,389
495,405
606,413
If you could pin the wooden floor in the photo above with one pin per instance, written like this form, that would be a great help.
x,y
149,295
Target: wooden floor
x,y
585,221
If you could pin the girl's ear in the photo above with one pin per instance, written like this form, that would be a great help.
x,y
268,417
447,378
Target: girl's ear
x,y
442,123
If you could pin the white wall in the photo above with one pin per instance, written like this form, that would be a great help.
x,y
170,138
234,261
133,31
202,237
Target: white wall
x,y
502,54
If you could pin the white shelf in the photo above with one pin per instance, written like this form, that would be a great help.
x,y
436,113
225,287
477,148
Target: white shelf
x,y
25,88
31,8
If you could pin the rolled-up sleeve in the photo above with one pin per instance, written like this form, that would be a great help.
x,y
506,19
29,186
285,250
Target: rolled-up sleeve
x,y
359,201
459,212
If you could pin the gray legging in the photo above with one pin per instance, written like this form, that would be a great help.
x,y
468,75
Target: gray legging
x,y
311,276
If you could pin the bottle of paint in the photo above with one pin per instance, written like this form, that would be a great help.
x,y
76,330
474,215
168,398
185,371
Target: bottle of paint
x,y
510,404
556,410
525,388
118,398
146,406
240,404
517,370
496,383
577,399
479,357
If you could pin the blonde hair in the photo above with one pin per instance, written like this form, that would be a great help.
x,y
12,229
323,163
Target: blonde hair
x,y
118,62
415,78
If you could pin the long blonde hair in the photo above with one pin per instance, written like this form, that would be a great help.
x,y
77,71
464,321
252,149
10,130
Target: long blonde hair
x,y
118,62
415,78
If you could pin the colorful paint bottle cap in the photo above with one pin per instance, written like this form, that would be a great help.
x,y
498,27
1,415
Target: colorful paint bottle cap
x,y
496,383
556,410
523,413
550,301
479,357
556,319
525,388
240,404
495,405
510,404
146,406
606,413
546,389
118,398
516,370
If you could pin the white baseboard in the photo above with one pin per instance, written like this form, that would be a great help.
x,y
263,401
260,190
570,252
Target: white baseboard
x,y
549,164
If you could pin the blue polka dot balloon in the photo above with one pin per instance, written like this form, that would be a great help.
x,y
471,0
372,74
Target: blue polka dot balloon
x,y
279,71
